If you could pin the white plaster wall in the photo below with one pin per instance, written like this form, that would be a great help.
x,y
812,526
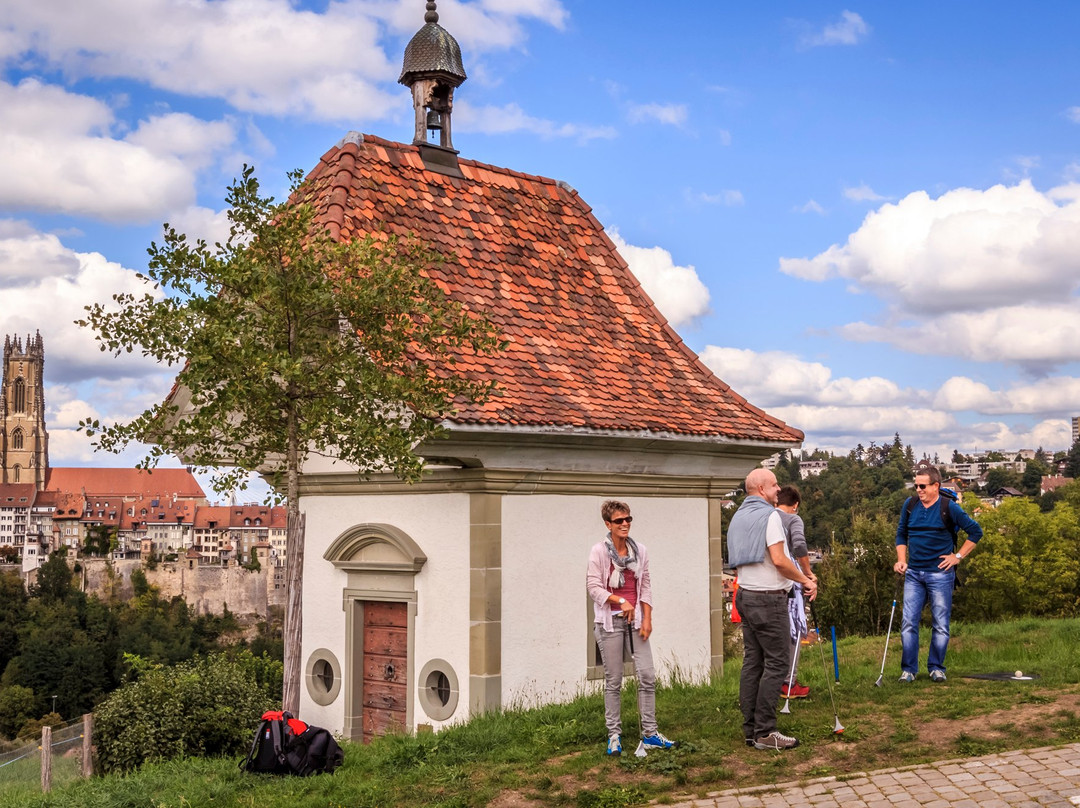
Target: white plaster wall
x,y
439,524
546,542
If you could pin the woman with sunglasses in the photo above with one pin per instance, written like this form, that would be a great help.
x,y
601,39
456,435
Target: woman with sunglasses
x,y
618,582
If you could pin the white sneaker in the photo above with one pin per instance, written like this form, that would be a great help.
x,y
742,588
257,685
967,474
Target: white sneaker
x,y
937,676
776,740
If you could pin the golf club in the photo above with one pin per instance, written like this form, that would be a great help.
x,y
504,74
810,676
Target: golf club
x,y
838,728
791,678
896,594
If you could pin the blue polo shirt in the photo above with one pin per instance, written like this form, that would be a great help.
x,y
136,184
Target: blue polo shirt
x,y
926,536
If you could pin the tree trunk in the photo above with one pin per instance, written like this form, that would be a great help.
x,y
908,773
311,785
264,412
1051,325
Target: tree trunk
x,y
294,591
294,574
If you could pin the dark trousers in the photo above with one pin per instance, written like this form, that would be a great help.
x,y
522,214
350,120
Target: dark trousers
x,y
766,657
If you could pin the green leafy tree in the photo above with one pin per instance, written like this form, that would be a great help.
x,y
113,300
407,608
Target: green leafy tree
x,y
1031,480
1072,465
1001,478
100,540
18,705
54,580
857,580
1026,564
290,343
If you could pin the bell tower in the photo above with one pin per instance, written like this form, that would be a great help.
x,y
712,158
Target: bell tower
x,y
24,443
432,69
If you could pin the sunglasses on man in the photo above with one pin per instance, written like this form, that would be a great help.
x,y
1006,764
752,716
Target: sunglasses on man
x,y
621,519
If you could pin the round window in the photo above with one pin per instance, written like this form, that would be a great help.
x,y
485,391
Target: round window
x,y
437,689
439,684
322,676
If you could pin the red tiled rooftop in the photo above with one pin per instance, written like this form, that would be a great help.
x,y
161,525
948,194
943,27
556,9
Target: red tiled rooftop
x,y
104,482
17,495
587,348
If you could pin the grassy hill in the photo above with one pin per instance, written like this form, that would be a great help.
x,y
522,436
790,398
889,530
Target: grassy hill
x,y
555,755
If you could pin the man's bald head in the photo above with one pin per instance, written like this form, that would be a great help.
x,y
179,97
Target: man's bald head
x,y
762,483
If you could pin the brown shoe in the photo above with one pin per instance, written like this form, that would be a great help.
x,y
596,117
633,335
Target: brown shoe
x,y
777,741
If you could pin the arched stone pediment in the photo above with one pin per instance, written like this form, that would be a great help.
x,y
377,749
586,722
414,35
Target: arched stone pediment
x,y
376,548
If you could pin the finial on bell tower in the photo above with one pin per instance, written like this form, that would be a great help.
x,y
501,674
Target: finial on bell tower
x,y
433,70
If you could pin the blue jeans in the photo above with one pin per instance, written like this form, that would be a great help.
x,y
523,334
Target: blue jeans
x,y
920,586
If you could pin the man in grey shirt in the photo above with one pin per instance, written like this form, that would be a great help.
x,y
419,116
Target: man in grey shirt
x,y
787,502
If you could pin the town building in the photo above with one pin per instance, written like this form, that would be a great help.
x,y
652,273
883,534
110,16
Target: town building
x,y
422,603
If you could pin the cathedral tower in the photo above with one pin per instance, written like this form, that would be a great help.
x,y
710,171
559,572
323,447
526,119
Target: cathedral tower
x,y
24,443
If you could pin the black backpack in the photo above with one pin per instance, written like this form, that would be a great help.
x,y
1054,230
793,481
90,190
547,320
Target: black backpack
x,y
286,745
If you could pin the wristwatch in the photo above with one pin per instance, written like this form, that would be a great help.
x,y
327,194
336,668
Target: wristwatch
x,y
958,556
622,601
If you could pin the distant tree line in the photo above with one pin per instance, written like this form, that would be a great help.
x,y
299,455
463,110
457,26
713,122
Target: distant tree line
x,y
62,650
1027,563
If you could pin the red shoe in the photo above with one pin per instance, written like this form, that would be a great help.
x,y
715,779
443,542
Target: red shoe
x,y
798,691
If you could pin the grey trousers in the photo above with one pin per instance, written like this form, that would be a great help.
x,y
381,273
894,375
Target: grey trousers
x,y
611,645
766,657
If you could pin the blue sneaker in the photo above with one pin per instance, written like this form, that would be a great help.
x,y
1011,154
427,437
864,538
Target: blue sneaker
x,y
614,745
657,741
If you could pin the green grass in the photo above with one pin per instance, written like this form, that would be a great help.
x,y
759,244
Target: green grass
x,y
554,755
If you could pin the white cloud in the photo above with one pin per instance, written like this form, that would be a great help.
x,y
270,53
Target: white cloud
x,y
52,300
728,197
965,250
184,136
1039,337
850,29
776,378
670,114
263,56
1073,114
56,156
202,223
677,290
27,256
512,118
811,206
836,414
863,193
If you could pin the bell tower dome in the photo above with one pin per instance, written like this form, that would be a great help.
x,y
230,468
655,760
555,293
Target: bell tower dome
x,y
432,69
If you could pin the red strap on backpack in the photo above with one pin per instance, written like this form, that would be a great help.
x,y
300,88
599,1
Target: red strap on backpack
x,y
297,726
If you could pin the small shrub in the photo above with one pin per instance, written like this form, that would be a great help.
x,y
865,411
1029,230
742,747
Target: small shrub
x,y
205,707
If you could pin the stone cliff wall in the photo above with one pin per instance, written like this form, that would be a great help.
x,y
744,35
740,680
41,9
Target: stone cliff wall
x,y
207,589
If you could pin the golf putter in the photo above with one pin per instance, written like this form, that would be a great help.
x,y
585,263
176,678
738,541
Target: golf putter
x,y
791,677
640,751
899,583
838,728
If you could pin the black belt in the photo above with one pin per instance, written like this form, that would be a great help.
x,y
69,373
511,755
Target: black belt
x,y
767,591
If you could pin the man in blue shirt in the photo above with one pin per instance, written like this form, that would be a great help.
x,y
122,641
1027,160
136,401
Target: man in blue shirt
x,y
926,557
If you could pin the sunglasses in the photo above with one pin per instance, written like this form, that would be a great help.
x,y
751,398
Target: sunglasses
x,y
921,486
621,519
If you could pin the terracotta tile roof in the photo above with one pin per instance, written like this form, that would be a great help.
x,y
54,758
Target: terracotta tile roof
x,y
587,348
105,482
216,514
17,495
266,516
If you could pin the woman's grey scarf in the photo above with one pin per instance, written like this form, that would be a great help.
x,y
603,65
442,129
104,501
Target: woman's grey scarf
x,y
617,578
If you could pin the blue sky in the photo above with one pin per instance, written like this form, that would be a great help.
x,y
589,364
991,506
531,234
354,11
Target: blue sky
x,y
865,218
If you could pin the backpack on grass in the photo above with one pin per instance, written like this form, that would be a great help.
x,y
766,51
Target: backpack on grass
x,y
286,745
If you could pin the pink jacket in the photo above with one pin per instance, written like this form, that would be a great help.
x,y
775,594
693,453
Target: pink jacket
x,y
596,584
